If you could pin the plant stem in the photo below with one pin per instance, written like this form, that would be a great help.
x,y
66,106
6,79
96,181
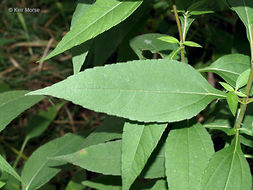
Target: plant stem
x,y
13,149
243,106
20,153
179,30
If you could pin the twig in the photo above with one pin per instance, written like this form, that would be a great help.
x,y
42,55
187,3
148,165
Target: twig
x,y
71,121
15,64
179,30
45,53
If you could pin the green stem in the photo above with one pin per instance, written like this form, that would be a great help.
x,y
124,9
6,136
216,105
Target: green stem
x,y
179,30
13,149
20,153
243,106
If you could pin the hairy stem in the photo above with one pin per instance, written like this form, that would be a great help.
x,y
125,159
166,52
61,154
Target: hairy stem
x,y
179,30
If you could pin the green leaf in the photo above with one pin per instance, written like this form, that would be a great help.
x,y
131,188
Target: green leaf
x,y
40,122
238,93
244,9
150,90
6,167
227,169
188,150
242,80
81,8
155,165
229,67
150,42
90,158
79,53
2,184
248,120
114,183
104,183
39,169
75,183
97,19
169,39
246,140
221,119
160,185
232,100
111,128
107,43
138,142
192,44
186,22
227,86
11,182
199,8
13,103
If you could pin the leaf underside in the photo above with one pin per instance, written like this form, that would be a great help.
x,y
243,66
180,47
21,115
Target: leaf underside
x,y
149,91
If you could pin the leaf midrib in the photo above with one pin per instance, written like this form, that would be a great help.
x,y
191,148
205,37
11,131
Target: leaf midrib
x,y
12,100
153,91
218,69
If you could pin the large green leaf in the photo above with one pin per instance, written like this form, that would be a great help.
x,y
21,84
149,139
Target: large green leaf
x,y
80,52
5,167
99,18
110,163
244,9
152,43
39,169
138,142
150,90
187,152
227,170
229,67
13,103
